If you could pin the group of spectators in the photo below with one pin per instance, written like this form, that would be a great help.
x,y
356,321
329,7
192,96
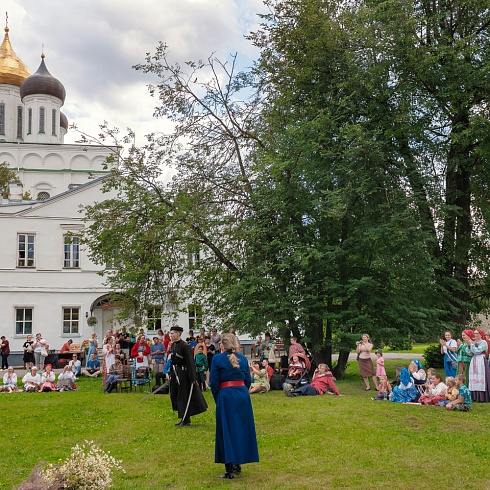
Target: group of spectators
x,y
415,386
34,352
467,371
466,367
36,381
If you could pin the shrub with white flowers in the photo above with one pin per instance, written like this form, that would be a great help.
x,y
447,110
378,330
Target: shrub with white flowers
x,y
87,468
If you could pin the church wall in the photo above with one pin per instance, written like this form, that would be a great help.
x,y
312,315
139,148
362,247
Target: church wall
x,y
10,96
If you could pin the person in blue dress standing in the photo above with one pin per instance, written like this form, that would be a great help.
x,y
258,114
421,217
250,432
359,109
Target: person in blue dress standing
x,y
448,349
236,441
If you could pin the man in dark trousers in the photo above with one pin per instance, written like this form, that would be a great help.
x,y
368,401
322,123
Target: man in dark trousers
x,y
185,394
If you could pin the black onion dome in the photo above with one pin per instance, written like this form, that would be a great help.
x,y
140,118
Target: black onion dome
x,y
63,121
42,82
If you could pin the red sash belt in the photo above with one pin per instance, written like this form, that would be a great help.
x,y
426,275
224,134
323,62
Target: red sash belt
x,y
228,384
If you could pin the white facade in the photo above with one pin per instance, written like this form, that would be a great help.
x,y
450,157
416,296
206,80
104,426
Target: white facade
x,y
48,285
47,282
52,169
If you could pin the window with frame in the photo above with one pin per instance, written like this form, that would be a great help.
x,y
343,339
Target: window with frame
x,y
19,121
154,316
29,121
193,257
71,320
195,317
43,195
42,119
113,262
71,251
53,122
25,249
2,118
23,321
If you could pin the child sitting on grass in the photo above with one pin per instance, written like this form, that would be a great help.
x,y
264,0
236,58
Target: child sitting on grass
x,y
435,393
384,389
451,392
463,402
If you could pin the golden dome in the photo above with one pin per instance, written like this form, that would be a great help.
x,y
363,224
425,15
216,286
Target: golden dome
x,y
12,70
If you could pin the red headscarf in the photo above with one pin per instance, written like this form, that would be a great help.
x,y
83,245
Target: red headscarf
x,y
469,333
484,337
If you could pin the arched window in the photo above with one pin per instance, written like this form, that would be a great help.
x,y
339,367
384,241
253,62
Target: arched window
x,y
2,118
29,121
53,122
19,121
43,195
42,119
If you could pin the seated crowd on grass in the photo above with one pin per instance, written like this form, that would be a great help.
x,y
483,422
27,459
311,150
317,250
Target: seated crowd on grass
x,y
466,357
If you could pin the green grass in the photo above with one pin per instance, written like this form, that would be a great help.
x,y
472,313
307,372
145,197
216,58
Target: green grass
x,y
304,443
416,349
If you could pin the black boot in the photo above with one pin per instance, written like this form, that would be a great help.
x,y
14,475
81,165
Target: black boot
x,y
228,472
237,468
183,423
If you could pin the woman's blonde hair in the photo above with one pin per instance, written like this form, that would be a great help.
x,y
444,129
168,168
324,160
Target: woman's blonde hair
x,y
230,345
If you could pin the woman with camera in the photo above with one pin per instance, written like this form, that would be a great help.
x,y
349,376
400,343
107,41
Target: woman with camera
x,y
363,349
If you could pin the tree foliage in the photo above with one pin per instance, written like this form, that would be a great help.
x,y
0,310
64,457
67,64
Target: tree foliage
x,y
337,187
6,175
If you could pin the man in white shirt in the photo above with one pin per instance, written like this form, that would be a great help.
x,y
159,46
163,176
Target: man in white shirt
x,y
75,365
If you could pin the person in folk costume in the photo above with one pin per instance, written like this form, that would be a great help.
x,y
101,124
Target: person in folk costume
x,y
463,352
479,372
236,441
185,394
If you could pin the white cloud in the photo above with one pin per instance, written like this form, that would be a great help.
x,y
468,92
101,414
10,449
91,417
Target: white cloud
x,y
91,46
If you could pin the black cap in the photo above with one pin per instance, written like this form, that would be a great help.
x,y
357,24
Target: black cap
x,y
177,328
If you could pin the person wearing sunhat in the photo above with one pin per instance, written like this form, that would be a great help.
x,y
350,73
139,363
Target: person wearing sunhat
x,y
186,397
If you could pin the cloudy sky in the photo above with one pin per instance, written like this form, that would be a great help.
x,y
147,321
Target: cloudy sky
x,y
91,46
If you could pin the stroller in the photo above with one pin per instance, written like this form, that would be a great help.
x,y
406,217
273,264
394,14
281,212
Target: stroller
x,y
297,376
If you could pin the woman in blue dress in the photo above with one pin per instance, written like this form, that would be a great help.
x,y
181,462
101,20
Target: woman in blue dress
x,y
236,442
406,391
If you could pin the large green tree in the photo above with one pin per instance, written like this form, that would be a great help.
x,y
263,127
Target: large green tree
x,y
387,100
339,187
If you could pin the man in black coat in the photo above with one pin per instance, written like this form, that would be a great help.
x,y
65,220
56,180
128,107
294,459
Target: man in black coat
x,y
185,394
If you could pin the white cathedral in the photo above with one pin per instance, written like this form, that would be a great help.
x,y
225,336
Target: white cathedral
x,y
48,285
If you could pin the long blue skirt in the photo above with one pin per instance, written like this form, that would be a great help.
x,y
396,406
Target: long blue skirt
x,y
236,441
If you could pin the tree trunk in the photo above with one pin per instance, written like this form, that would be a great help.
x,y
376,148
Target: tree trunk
x,y
339,370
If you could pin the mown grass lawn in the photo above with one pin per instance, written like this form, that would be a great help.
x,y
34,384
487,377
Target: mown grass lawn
x,y
416,349
304,443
